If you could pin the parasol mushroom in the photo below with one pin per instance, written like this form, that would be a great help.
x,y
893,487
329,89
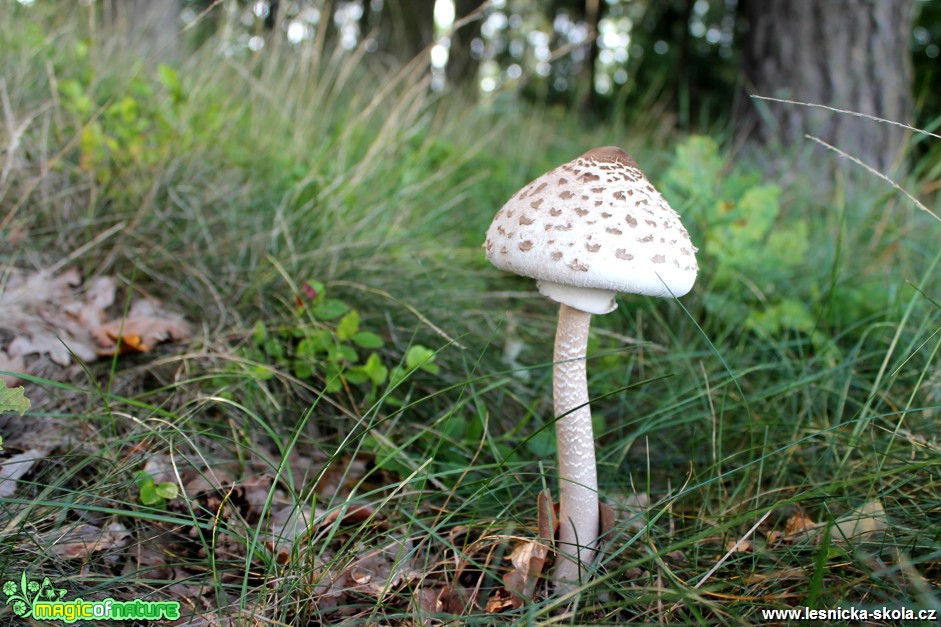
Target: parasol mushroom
x,y
585,231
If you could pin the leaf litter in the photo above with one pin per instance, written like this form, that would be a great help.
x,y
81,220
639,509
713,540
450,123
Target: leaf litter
x,y
864,523
48,322
82,540
16,467
61,319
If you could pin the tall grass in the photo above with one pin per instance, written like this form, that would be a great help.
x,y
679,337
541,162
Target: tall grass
x,y
253,174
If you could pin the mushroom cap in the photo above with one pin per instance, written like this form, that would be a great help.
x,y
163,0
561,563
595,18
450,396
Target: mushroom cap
x,y
594,223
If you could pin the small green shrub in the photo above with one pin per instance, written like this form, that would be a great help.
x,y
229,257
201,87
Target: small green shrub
x,y
324,340
754,260
125,129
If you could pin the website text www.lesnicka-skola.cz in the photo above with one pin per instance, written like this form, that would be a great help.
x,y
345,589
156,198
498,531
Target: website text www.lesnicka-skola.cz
x,y
852,614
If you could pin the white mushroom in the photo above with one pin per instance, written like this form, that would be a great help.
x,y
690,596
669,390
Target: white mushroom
x,y
586,230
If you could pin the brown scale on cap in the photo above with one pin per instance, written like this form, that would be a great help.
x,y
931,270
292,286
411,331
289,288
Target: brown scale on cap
x,y
611,154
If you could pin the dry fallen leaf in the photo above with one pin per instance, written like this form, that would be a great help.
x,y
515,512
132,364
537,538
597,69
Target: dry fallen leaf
x,y
59,348
798,528
548,517
289,525
150,554
58,317
13,468
100,296
212,479
146,325
349,515
800,525
777,576
160,467
738,546
528,559
376,573
383,570
445,600
23,289
11,364
82,540
501,600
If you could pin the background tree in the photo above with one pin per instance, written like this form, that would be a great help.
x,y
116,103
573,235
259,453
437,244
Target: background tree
x,y
590,12
406,28
851,54
686,57
614,57
462,64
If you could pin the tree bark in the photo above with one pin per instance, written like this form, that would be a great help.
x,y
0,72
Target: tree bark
x,y
848,54
462,66
594,11
406,28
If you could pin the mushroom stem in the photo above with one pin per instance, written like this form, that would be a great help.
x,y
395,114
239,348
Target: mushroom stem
x,y
578,510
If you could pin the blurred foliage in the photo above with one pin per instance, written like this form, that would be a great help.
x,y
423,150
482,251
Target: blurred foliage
x,y
685,51
750,255
683,54
127,128
926,50
757,258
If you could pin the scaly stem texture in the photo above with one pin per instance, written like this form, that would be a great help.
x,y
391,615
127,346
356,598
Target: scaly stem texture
x,y
578,510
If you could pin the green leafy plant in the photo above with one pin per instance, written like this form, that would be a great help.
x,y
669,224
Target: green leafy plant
x,y
126,128
13,400
152,493
417,357
755,256
324,340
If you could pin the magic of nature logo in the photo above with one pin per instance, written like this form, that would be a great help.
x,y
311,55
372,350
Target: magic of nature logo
x,y
42,600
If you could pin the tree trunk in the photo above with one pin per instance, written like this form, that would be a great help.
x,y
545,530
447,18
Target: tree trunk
x,y
588,98
462,66
406,28
848,54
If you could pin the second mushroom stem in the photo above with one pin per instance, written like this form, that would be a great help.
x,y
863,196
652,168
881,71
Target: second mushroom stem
x,y
578,508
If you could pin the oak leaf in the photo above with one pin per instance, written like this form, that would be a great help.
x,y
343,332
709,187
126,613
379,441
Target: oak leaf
x,y
145,325
15,467
11,364
84,539
58,317
13,400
